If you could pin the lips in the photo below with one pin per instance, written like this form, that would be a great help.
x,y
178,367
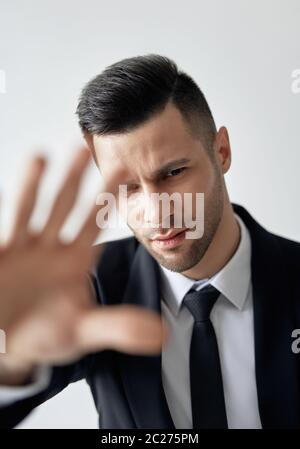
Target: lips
x,y
169,242
168,236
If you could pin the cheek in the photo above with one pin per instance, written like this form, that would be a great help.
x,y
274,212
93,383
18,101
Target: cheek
x,y
196,192
203,182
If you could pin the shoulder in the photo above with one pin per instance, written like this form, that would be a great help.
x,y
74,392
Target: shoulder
x,y
290,248
289,253
117,252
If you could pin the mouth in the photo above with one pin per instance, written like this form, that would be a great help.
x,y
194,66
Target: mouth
x,y
169,241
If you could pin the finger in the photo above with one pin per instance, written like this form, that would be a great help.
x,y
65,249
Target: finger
x,y
89,230
93,224
66,197
27,199
96,253
126,328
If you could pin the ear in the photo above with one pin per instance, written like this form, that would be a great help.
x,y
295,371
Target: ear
x,y
222,149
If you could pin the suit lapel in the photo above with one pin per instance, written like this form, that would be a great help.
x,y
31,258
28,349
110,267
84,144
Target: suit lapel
x,y
276,365
142,374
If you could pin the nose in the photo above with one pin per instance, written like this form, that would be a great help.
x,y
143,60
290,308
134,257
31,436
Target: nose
x,y
156,208
151,214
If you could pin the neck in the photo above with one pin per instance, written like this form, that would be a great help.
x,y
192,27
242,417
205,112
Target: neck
x,y
222,247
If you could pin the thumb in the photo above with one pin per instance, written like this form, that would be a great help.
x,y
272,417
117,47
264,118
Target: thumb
x,y
126,328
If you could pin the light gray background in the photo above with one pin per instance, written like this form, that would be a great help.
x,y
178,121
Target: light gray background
x,y
241,52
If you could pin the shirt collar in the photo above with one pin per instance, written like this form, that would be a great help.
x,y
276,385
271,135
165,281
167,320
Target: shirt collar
x,y
232,280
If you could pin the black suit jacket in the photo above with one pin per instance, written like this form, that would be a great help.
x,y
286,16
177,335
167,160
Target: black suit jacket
x,y
128,390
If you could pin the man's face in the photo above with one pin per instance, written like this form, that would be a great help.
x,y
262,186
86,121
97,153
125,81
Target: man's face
x,y
143,155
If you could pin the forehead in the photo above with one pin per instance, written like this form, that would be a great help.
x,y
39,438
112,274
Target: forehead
x,y
164,137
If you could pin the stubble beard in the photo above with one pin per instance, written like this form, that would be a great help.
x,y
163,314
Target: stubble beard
x,y
191,251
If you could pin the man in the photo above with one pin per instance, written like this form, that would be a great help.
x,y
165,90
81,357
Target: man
x,y
228,359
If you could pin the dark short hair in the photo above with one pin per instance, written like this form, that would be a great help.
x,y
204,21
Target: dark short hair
x,y
131,91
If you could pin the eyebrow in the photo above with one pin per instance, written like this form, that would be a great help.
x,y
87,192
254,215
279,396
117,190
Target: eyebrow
x,y
159,173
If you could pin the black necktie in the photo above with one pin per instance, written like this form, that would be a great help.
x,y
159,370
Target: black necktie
x,y
207,395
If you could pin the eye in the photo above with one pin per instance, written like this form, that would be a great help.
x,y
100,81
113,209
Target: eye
x,y
132,187
175,172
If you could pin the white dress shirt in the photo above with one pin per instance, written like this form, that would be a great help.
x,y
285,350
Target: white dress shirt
x,y
232,318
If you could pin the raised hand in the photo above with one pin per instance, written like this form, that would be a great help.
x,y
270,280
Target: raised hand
x,y
46,304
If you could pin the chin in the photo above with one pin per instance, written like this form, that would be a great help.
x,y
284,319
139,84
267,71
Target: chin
x,y
176,260
176,266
